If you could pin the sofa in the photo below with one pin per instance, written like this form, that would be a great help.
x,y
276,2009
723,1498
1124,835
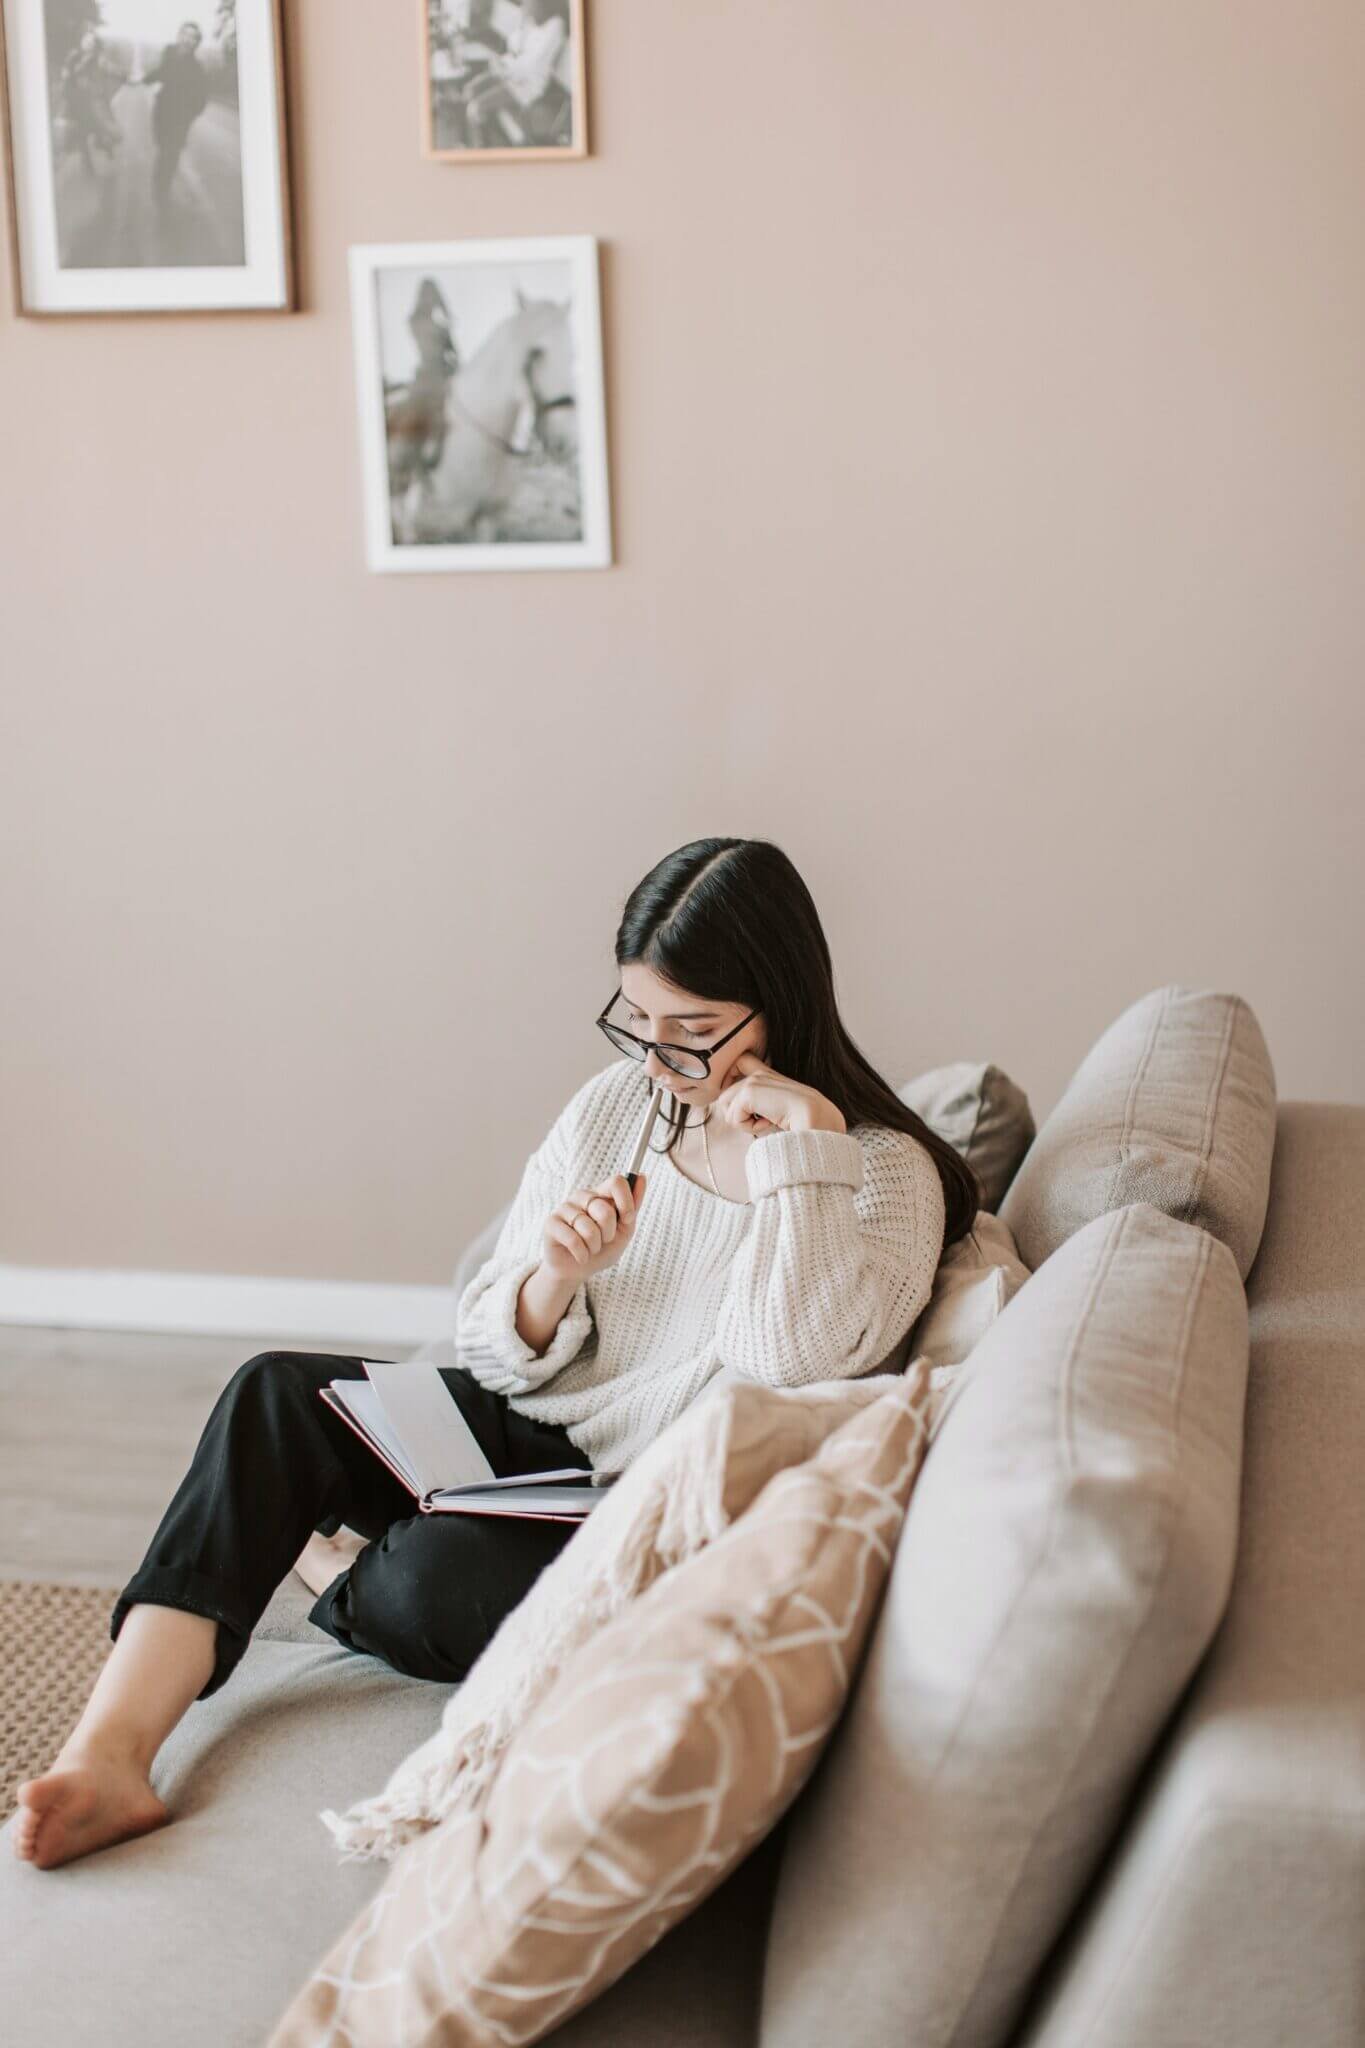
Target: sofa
x,y
1207,1885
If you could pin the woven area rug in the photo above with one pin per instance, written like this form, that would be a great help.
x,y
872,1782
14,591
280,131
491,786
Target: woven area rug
x,y
56,1639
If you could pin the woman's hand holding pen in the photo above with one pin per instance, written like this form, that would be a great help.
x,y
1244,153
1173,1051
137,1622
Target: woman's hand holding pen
x,y
591,1228
587,1232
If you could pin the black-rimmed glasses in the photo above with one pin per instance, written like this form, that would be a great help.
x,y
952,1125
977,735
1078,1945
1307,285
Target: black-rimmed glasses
x,y
692,1061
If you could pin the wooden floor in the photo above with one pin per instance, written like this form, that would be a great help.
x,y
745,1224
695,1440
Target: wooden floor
x,y
96,1430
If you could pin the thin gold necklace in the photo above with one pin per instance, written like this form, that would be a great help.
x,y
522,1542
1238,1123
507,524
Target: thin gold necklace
x,y
706,1147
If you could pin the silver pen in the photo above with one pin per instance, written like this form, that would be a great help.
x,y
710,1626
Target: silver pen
x,y
656,1097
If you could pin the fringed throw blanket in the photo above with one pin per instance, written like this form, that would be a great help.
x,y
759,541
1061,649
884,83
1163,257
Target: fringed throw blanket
x,y
675,1497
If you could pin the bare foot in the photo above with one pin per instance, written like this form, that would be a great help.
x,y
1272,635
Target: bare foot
x,y
85,1801
323,1558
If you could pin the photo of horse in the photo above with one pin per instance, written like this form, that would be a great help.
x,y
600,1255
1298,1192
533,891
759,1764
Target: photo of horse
x,y
480,391
503,78
148,157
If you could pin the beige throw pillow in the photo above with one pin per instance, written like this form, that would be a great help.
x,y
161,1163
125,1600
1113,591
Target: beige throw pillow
x,y
976,1277
1064,1563
670,1744
1174,1105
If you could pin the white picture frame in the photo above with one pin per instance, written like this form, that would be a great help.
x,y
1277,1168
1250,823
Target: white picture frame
x,y
138,188
481,404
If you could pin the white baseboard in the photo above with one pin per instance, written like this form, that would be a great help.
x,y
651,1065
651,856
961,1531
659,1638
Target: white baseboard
x,y
228,1305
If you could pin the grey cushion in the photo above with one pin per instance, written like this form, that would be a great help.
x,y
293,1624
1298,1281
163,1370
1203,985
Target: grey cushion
x,y
982,1113
1173,1105
1236,1910
205,1928
1064,1562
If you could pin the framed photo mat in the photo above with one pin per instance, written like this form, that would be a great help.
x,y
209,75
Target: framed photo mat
x,y
43,289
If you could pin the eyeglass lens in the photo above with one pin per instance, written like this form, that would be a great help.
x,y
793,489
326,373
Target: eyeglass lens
x,y
680,1062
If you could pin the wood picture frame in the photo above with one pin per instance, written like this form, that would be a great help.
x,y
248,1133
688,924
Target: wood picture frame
x,y
142,176
477,107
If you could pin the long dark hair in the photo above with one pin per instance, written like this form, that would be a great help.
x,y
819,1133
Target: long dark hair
x,y
731,920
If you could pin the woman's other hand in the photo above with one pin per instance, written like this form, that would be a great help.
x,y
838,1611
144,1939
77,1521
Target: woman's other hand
x,y
764,1100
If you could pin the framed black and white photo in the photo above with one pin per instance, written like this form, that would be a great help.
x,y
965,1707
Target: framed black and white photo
x,y
503,79
482,411
147,162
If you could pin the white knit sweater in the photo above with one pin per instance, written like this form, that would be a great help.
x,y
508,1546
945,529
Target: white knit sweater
x,y
818,1276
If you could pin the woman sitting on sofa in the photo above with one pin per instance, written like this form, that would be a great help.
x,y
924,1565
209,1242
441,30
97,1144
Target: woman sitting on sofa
x,y
798,1218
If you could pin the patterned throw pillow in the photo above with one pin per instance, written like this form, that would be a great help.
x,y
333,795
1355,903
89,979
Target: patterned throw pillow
x,y
669,1745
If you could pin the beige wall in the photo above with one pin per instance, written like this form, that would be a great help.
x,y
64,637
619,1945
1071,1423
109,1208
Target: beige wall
x,y
988,430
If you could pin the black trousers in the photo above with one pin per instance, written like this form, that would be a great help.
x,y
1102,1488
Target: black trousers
x,y
275,1462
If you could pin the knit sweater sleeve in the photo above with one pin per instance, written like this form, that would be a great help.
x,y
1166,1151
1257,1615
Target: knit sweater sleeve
x,y
840,1259
487,1341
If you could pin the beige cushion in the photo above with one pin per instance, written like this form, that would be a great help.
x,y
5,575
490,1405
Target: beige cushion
x,y
1173,1105
982,1113
976,1277
1063,1565
680,1494
1236,1912
668,1747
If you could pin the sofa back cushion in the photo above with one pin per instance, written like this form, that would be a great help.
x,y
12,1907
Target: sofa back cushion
x,y
1236,1911
1173,1105
1064,1562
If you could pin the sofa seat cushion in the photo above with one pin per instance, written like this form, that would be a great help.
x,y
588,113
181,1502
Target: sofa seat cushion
x,y
285,1619
203,1928
1173,1105
1063,1565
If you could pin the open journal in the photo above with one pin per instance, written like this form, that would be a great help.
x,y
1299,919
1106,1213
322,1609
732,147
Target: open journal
x,y
405,1412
